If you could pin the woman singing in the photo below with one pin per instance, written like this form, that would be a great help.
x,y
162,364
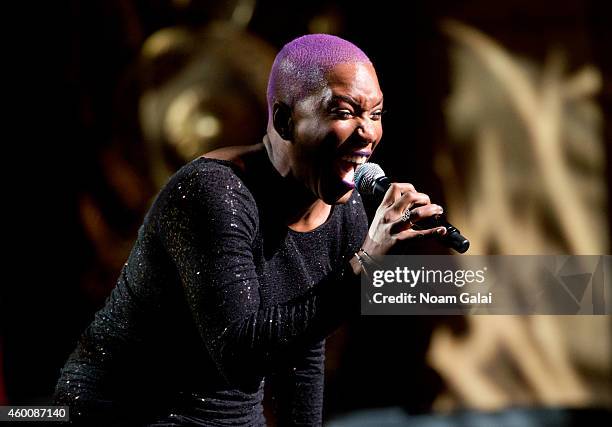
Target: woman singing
x,y
246,261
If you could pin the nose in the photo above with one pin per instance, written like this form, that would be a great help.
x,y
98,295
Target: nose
x,y
367,130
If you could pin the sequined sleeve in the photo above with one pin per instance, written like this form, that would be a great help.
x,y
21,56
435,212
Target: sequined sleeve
x,y
297,388
207,225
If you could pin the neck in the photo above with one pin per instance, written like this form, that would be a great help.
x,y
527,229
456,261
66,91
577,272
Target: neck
x,y
278,153
310,217
301,210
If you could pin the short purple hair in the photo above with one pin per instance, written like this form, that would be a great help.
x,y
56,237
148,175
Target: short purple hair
x,y
299,68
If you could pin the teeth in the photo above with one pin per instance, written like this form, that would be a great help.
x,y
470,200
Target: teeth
x,y
354,159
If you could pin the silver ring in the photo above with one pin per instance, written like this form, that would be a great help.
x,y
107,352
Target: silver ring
x,y
405,216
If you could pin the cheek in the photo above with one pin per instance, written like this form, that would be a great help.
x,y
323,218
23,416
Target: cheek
x,y
342,130
309,132
379,133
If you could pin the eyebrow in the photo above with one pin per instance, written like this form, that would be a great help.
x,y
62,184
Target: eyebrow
x,y
352,101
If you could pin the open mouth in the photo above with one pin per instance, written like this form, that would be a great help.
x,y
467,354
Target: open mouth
x,y
347,164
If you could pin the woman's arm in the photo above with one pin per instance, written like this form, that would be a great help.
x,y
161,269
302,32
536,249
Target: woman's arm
x,y
297,388
207,223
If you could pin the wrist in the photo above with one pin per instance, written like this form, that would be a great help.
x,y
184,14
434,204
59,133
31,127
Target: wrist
x,y
364,261
355,265
373,248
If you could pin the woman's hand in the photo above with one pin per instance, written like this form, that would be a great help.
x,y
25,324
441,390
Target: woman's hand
x,y
388,227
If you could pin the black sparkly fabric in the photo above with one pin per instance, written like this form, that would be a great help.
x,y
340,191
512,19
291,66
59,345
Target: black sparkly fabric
x,y
217,298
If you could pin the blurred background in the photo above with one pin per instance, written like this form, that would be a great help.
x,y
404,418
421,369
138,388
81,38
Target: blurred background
x,y
500,111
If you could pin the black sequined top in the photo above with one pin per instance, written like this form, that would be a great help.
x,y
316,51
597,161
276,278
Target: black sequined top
x,y
217,298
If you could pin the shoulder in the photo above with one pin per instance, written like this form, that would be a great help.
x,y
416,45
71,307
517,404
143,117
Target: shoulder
x,y
208,188
237,155
218,171
208,178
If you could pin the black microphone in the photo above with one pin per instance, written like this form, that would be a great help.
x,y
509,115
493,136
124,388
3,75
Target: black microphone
x,y
370,179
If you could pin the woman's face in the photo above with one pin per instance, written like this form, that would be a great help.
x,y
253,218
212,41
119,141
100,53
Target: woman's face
x,y
335,130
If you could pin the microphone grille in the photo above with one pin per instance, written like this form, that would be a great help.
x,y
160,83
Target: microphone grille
x,y
366,175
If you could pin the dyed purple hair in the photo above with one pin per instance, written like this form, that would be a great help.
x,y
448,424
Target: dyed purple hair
x,y
299,68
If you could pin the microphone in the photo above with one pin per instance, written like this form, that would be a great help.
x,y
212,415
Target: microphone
x,y
370,179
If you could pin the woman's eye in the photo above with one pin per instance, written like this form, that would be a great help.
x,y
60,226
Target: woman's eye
x,y
377,115
343,114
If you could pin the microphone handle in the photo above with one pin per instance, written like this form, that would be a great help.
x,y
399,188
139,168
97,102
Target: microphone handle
x,y
452,239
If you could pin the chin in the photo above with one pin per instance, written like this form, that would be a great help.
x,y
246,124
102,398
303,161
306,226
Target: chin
x,y
334,192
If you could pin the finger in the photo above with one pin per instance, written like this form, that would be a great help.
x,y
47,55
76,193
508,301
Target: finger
x,y
416,215
408,200
410,233
422,212
395,191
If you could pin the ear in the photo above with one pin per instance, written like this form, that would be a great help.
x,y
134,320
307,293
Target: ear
x,y
282,121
